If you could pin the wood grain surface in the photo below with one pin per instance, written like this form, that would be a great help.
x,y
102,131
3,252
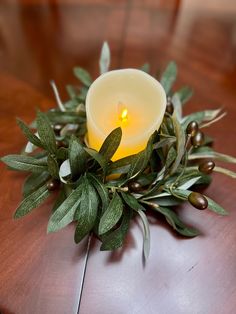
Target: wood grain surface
x,y
42,40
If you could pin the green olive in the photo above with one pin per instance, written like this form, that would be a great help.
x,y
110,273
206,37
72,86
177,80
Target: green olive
x,y
192,128
198,200
198,139
206,166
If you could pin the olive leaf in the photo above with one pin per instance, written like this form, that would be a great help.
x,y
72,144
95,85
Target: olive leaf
x,y
177,107
59,200
64,214
28,134
227,172
207,152
64,171
25,163
175,222
212,205
121,165
86,213
98,157
46,133
132,202
105,57
185,93
114,239
34,181
112,215
83,76
146,234
145,67
101,189
53,168
180,144
77,157
169,76
111,144
64,117
200,116
141,159
32,201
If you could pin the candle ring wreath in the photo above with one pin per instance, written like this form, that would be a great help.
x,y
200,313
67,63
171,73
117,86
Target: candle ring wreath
x,y
102,196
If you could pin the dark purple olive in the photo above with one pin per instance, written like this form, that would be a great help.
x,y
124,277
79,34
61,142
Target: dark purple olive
x,y
206,166
192,128
134,186
198,139
53,185
198,200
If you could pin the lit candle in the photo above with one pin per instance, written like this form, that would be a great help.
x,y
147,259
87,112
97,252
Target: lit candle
x,y
129,98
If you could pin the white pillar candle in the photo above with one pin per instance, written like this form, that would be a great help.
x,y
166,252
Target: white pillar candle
x,y
129,98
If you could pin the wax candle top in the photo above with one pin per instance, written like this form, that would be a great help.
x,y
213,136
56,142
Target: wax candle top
x,y
129,98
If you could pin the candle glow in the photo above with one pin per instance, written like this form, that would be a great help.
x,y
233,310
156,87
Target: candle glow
x,y
130,99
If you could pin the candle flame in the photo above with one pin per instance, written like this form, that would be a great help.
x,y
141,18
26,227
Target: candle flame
x,y
124,115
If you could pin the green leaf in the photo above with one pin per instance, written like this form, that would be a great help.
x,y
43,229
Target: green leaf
x,y
164,142
121,165
98,157
171,157
227,172
146,234
213,206
177,106
180,145
101,189
29,135
71,90
141,160
185,93
64,117
60,199
167,201
77,157
112,215
34,181
46,133
169,76
114,239
111,144
105,57
188,183
145,67
200,116
53,168
86,214
25,163
207,152
176,223
131,201
64,214
83,76
32,201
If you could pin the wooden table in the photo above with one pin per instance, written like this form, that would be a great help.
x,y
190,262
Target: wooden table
x,y
42,274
